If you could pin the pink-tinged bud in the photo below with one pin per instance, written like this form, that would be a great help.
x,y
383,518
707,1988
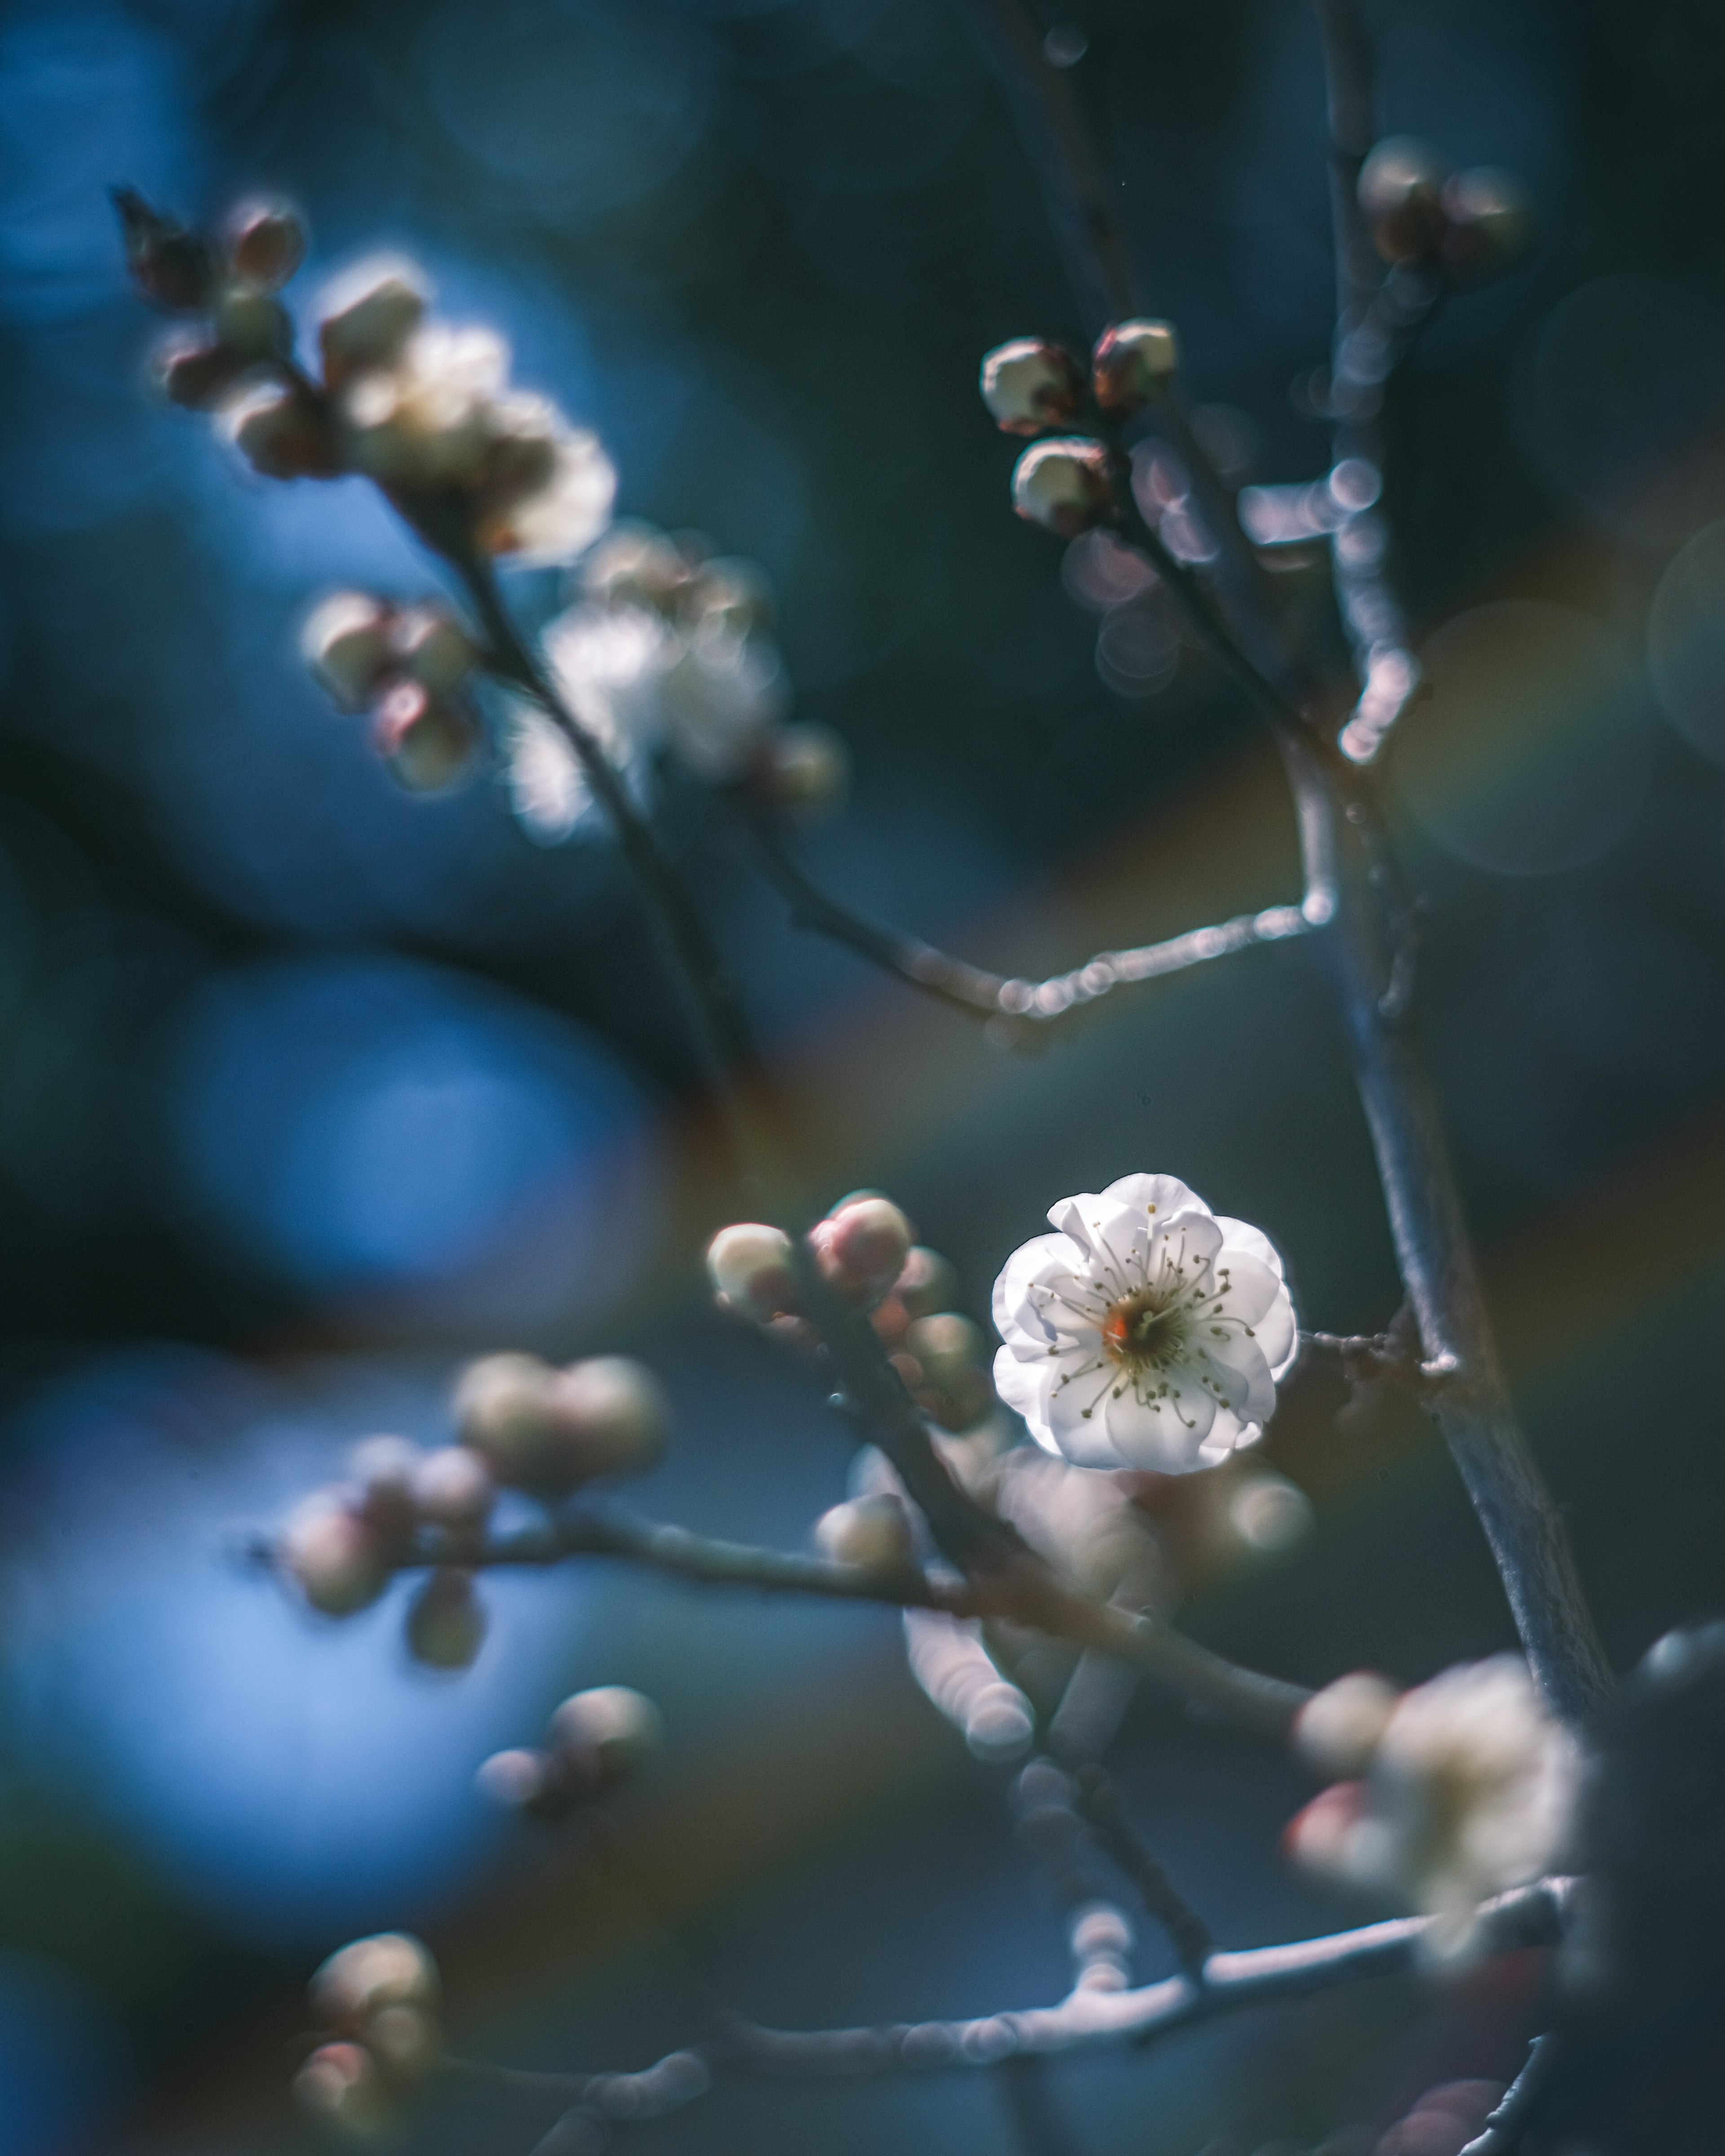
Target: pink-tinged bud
x,y
1133,364
446,1624
252,326
1063,485
873,1530
348,645
170,266
432,646
361,1979
342,2087
1030,385
427,741
369,314
752,1270
516,1777
266,243
944,1344
926,1284
282,435
1339,1728
453,1489
339,1560
861,1247
805,770
1487,224
1398,189
407,2043
194,375
383,1469
606,1733
1322,1836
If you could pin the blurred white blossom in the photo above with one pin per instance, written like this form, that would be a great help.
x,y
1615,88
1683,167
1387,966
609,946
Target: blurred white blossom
x,y
664,652
1146,1331
1467,1791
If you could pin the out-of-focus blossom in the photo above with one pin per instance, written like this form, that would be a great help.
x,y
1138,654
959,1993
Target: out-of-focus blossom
x,y
1030,385
1146,1332
1399,187
872,1529
1133,364
1488,224
1063,485
949,1661
547,1429
665,652
1086,1525
380,1996
1467,1790
409,665
594,1741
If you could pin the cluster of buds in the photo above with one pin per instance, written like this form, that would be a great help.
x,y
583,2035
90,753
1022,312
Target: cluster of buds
x,y
1470,225
377,1998
522,1425
424,408
1454,1791
408,667
1032,386
864,1251
592,1742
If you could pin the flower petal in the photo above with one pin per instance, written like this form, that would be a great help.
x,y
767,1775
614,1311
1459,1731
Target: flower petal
x,y
1164,1434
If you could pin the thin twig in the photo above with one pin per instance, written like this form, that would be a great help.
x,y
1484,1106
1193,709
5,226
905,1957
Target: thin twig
x,y
1092,2017
1188,1932
1502,2134
998,996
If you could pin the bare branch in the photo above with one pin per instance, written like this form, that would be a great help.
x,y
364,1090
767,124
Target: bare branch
x,y
1501,2135
995,996
1093,2016
1188,1932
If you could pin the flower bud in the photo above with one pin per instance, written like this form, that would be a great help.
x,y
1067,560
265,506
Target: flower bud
x,y
361,1979
944,1344
1133,364
1397,190
266,243
958,1399
282,435
607,1732
434,648
750,1268
195,375
1064,486
406,2041
346,643
1488,225
1030,384
873,1530
446,1623
805,770
369,315
926,1284
252,326
1339,1728
338,1560
383,1468
343,2086
1268,1513
861,1247
1325,1835
518,1778
453,1489
500,1407
427,741
169,264
605,1415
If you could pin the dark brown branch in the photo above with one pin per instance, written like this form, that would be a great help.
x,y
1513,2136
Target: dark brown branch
x,y
1188,1933
1092,2017
983,994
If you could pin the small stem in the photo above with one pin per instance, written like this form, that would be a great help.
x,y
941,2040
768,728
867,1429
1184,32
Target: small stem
x,y
1503,2130
1188,1932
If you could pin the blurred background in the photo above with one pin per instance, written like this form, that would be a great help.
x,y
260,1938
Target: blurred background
x,y
308,1089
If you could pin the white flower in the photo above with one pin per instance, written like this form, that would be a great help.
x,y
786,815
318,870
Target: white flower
x,y
1468,1791
1145,1332
606,666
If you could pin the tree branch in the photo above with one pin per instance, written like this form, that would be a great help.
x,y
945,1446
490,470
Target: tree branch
x,y
1188,1934
1093,2016
1501,2135
983,994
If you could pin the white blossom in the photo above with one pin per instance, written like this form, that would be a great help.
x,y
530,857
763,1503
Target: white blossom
x,y
1146,1332
1467,1791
